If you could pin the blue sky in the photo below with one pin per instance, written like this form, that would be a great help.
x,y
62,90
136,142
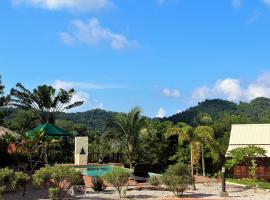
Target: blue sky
x,y
161,55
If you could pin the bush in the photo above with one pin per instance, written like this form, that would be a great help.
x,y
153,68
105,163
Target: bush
x,y
98,184
61,177
177,178
53,193
153,180
118,177
10,180
7,180
21,180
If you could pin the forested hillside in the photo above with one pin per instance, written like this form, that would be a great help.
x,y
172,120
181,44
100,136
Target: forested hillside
x,y
95,119
257,111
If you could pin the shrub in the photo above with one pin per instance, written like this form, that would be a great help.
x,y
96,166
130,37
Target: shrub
x,y
118,177
6,180
61,177
10,180
177,178
98,184
153,180
21,180
53,193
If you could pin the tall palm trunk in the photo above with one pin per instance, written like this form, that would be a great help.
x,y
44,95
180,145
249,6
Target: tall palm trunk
x,y
129,155
192,170
203,161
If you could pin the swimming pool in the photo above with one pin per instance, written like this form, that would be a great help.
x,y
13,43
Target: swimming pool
x,y
95,171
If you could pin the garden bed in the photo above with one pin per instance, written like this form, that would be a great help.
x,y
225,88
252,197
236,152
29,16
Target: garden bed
x,y
251,183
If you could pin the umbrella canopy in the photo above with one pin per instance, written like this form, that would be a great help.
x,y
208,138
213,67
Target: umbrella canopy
x,y
49,130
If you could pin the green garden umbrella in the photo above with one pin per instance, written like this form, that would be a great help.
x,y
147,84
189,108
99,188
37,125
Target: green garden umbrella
x,y
49,130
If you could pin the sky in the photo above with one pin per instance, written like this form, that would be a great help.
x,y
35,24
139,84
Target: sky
x,y
161,55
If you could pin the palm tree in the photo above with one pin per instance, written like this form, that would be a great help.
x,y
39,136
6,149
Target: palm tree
x,y
43,100
126,129
185,133
205,136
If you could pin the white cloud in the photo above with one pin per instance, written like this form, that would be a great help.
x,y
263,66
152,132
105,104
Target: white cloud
x,y
161,113
171,92
77,5
228,88
201,93
66,38
81,85
267,2
92,33
261,88
237,3
231,89
178,111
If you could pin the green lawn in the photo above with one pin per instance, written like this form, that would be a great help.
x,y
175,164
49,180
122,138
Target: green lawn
x,y
251,182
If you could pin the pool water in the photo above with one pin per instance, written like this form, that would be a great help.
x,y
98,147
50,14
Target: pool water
x,y
95,171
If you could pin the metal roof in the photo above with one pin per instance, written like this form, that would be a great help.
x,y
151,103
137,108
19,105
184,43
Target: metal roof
x,y
250,134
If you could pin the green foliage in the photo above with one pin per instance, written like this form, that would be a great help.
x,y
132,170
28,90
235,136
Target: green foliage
x,y
21,180
246,155
62,177
177,178
7,179
10,180
125,129
154,180
23,121
118,177
43,99
98,184
251,182
54,193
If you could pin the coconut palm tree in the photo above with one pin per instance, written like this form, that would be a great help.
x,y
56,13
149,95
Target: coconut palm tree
x,y
125,128
205,136
185,133
44,99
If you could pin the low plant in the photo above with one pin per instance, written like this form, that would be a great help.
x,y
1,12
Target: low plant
x,y
177,178
118,177
98,184
54,193
21,180
154,180
61,178
7,180
10,180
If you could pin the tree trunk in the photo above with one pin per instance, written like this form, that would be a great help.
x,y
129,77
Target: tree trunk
x,y
129,156
197,169
203,162
46,153
192,171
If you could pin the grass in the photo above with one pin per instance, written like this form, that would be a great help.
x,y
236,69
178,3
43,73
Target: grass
x,y
251,182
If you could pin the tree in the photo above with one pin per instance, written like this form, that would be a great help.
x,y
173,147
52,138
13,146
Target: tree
x,y
246,155
44,99
24,120
183,132
126,128
205,136
2,98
